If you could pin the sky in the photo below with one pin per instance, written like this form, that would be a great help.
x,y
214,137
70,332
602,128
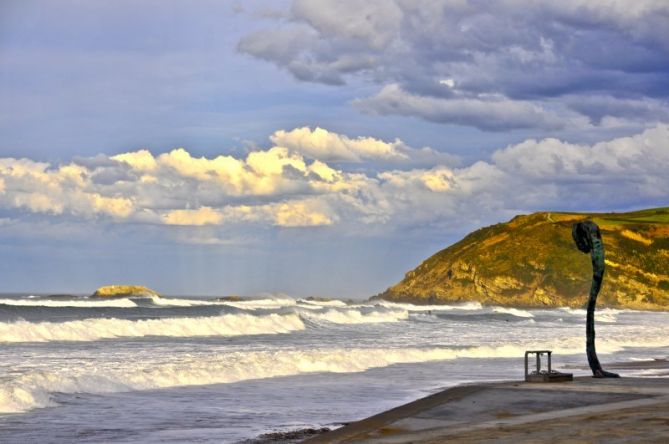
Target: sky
x,y
312,147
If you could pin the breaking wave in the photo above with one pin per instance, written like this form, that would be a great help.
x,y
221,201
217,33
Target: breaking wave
x,y
245,304
33,390
440,307
119,374
93,329
175,302
605,315
513,312
354,316
261,304
323,303
84,303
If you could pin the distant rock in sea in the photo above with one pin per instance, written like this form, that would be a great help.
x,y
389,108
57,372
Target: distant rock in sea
x,y
118,291
229,299
318,299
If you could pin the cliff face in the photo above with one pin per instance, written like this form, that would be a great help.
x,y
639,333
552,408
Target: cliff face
x,y
115,291
532,261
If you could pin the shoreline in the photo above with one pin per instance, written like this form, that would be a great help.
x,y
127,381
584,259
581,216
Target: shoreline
x,y
504,304
628,409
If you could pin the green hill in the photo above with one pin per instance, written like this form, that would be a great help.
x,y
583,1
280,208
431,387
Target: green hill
x,y
532,261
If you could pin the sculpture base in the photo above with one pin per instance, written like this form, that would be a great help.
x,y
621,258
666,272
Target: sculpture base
x,y
549,377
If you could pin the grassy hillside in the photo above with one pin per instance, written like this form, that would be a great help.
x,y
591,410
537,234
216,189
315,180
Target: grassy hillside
x,y
533,261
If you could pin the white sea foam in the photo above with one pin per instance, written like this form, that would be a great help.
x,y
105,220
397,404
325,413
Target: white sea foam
x,y
247,304
574,311
605,315
165,301
356,316
513,312
103,328
85,303
262,304
176,302
109,372
467,306
323,303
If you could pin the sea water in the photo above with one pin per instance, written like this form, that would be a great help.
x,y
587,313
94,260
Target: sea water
x,y
196,369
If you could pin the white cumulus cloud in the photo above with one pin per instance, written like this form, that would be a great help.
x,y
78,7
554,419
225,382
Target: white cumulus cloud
x,y
282,186
325,145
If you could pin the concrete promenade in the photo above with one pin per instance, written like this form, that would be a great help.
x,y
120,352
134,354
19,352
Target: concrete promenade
x,y
584,410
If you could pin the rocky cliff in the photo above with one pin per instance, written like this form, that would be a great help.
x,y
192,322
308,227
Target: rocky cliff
x,y
532,261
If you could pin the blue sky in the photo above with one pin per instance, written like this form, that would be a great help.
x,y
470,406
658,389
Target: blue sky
x,y
311,147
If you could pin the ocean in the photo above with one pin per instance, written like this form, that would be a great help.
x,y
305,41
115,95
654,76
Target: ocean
x,y
203,370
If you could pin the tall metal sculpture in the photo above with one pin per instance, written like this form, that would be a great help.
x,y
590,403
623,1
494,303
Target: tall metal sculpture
x,y
588,239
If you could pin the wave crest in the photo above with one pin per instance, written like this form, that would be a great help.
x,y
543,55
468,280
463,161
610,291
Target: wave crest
x,y
436,307
354,316
33,390
93,329
83,303
513,312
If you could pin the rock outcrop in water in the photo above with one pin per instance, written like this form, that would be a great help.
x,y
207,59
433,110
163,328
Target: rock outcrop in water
x,y
118,291
531,261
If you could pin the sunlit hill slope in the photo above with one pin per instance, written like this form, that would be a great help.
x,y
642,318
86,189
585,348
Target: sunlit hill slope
x,y
532,261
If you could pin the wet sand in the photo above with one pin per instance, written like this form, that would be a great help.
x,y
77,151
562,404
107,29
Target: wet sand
x,y
587,410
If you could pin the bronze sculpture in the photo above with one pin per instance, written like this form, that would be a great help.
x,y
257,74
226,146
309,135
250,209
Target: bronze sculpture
x,y
588,239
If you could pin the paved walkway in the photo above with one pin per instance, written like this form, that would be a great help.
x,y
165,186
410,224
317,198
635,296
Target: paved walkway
x,y
585,410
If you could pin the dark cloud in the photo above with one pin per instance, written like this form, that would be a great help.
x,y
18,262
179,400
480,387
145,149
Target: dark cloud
x,y
110,176
599,107
491,113
97,161
465,52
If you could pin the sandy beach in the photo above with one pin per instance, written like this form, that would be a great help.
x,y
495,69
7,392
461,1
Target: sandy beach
x,y
584,410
